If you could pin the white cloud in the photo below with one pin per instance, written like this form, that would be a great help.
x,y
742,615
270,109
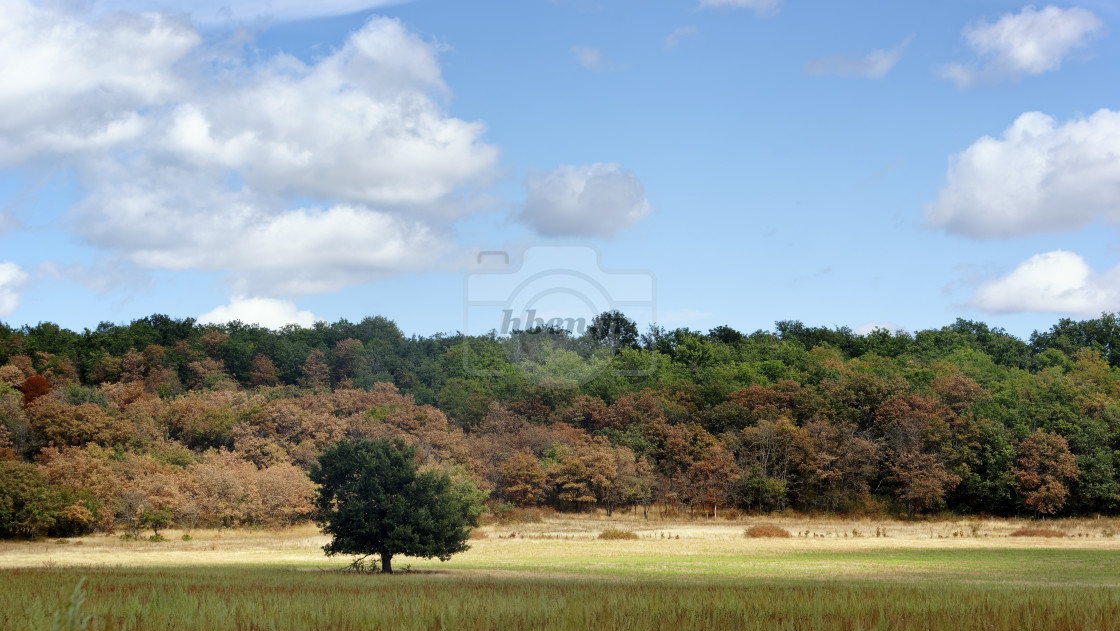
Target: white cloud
x,y
358,126
246,10
1028,43
761,7
874,65
1039,177
870,327
267,312
1053,282
162,224
12,278
587,201
292,177
71,85
672,40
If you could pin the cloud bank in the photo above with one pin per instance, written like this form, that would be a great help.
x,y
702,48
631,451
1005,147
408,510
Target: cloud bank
x,y
293,178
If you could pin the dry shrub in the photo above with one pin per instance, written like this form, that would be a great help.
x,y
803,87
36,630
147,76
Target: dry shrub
x,y
756,532
478,534
613,533
1037,532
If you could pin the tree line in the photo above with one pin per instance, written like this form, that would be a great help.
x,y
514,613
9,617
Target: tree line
x,y
122,425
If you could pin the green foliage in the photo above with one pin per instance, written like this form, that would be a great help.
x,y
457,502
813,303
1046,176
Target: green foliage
x,y
156,519
372,502
29,507
72,618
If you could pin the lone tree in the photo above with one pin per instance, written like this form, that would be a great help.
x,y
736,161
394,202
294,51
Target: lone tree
x,y
372,501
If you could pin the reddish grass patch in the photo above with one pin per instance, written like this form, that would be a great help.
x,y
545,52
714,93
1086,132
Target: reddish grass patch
x,y
612,533
1037,532
758,532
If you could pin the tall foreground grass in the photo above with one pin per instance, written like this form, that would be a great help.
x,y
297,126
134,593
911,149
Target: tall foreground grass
x,y
221,598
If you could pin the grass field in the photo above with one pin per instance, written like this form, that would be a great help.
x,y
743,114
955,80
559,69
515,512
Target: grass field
x,y
832,574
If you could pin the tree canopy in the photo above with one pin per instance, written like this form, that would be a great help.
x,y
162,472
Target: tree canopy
x,y
372,502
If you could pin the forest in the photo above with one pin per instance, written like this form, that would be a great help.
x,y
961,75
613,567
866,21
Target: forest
x,y
165,421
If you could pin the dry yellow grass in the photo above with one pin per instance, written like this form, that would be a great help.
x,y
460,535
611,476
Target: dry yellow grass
x,y
562,536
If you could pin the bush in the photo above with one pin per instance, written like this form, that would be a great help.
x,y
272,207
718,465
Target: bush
x,y
1037,532
613,533
758,532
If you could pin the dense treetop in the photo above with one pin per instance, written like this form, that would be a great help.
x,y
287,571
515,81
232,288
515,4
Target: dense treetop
x,y
219,424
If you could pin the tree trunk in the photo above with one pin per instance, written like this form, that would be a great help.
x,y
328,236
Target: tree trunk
x,y
386,563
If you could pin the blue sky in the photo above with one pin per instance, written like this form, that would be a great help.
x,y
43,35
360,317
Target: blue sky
x,y
856,163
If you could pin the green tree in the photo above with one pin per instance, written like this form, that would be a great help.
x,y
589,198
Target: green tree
x,y
373,502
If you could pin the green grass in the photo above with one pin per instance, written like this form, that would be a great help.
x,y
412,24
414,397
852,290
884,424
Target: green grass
x,y
607,586
263,598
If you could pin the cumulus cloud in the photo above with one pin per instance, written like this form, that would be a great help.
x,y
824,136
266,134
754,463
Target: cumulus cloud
x,y
874,65
292,177
1053,282
267,312
1038,177
358,126
72,85
761,7
672,40
165,223
1027,43
12,278
585,201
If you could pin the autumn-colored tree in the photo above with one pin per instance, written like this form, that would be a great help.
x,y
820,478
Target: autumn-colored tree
x,y
315,374
580,473
23,363
712,479
1043,467
523,478
914,432
107,369
835,463
262,372
211,340
12,376
286,494
6,450
34,387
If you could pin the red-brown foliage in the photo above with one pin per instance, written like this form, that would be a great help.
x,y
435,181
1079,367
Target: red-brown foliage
x,y
34,387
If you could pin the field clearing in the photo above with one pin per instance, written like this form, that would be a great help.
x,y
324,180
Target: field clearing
x,y
832,573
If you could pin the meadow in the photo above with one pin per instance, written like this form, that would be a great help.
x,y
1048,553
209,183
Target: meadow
x,y
830,574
